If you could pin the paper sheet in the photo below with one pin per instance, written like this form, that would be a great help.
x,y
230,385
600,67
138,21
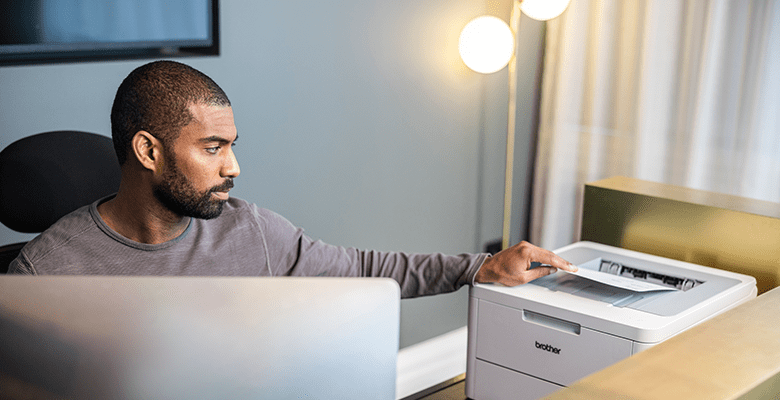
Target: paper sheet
x,y
587,271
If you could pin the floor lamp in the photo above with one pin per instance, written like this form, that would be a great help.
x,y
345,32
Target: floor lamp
x,y
487,44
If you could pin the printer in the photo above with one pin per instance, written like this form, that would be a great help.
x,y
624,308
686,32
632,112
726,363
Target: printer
x,y
528,341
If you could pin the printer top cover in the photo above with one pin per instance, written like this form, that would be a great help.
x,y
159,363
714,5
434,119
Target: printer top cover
x,y
688,293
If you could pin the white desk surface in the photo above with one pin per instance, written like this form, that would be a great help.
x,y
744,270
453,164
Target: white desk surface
x,y
426,364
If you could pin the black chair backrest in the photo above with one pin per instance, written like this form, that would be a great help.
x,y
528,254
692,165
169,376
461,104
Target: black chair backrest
x,y
45,176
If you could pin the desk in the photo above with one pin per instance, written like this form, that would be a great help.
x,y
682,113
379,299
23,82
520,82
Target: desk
x,y
434,369
451,389
429,365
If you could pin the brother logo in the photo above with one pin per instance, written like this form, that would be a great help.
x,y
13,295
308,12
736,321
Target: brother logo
x,y
547,347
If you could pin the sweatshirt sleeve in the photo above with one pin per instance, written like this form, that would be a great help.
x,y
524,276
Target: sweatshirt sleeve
x,y
292,253
20,266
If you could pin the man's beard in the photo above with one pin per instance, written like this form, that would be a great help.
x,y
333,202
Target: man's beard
x,y
178,194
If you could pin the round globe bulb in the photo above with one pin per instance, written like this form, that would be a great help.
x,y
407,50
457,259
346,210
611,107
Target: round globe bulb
x,y
486,44
543,10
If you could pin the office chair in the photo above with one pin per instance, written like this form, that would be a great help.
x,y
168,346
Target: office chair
x,y
45,176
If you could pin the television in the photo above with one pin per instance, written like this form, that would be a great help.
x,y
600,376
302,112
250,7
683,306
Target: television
x,y
46,31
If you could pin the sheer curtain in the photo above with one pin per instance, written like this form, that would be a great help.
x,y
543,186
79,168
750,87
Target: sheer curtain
x,y
684,92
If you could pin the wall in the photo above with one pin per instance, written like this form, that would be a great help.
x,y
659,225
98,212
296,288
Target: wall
x,y
357,120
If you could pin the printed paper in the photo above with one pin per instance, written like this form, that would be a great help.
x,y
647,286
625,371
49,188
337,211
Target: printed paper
x,y
586,271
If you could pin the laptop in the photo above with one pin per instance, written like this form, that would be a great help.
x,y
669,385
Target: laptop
x,y
198,337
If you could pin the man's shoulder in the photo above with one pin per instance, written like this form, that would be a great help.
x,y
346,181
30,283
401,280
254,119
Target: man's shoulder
x,y
241,213
236,205
68,228
242,208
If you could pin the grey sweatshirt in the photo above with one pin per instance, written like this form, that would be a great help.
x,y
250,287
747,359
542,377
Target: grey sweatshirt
x,y
244,240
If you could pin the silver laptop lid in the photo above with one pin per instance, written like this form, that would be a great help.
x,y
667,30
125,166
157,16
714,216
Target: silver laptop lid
x,y
198,337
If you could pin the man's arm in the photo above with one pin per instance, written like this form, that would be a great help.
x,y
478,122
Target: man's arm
x,y
512,267
292,253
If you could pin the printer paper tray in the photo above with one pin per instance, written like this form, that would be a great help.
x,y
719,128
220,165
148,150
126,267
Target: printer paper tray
x,y
496,382
554,350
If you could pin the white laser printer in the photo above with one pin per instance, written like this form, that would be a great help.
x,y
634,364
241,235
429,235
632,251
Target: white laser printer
x,y
528,341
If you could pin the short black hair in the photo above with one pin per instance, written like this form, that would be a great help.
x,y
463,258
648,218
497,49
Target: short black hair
x,y
155,98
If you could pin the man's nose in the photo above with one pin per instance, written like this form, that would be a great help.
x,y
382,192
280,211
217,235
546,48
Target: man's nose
x,y
231,169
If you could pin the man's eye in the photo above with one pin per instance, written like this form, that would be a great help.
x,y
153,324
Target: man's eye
x,y
212,150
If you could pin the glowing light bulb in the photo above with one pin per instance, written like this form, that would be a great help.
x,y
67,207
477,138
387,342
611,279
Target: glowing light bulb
x,y
486,44
544,9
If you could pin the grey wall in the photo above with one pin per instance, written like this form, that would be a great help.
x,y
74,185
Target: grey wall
x,y
357,120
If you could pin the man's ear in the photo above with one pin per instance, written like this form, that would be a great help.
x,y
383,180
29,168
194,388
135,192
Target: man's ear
x,y
147,149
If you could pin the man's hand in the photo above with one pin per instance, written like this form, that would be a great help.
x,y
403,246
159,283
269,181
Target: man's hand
x,y
511,267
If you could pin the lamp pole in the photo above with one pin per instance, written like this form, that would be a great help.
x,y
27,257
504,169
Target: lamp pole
x,y
478,49
514,24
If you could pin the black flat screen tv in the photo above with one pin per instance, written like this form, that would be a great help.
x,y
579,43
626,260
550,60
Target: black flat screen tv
x,y
46,31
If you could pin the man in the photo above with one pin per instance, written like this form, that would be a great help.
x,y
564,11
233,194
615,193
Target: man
x,y
173,133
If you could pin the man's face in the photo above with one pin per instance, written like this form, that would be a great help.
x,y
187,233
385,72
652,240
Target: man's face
x,y
200,164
